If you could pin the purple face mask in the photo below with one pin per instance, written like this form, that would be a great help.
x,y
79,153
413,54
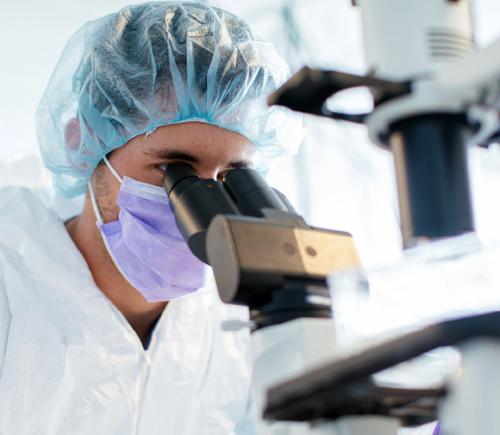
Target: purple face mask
x,y
146,245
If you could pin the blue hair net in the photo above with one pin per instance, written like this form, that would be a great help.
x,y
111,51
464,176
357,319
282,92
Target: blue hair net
x,y
156,64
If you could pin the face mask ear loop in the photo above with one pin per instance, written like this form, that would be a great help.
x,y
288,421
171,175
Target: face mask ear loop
x,y
99,224
94,204
113,171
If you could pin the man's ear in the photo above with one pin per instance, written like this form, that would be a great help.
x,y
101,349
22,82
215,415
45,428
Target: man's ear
x,y
72,135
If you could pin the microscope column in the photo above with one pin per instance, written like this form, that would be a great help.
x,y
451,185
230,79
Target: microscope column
x,y
413,40
284,351
472,404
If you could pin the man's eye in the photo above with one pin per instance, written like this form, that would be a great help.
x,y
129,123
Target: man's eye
x,y
222,176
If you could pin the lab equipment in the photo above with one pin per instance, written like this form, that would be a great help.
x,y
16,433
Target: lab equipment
x,y
156,64
343,388
266,257
426,111
432,94
145,244
263,253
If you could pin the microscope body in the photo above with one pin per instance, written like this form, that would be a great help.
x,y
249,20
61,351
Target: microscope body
x,y
432,100
266,257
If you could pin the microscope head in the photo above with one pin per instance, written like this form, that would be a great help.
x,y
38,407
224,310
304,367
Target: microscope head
x,y
257,244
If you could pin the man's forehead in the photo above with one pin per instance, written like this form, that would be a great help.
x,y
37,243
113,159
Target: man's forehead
x,y
195,142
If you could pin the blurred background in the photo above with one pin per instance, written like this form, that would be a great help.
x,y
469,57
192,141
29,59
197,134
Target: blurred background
x,y
338,180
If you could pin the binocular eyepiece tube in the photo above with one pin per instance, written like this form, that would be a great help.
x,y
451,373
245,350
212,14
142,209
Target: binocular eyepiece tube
x,y
196,201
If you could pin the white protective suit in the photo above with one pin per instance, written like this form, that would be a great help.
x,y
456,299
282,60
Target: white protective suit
x,y
71,364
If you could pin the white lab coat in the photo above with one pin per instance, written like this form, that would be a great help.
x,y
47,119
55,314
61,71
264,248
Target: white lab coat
x,y
71,364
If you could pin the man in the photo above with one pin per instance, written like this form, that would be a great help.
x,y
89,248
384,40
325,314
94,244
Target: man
x,y
114,328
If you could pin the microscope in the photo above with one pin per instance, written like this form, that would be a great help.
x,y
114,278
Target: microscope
x,y
434,96
266,257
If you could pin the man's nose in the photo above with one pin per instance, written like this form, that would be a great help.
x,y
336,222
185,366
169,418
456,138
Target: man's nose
x,y
209,173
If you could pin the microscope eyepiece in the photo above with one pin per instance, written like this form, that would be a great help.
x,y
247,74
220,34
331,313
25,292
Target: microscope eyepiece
x,y
251,193
195,202
176,173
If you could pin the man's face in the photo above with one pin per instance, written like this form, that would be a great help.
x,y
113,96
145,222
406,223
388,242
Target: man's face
x,y
211,150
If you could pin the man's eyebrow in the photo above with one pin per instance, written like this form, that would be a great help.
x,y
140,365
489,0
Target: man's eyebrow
x,y
239,164
182,155
171,155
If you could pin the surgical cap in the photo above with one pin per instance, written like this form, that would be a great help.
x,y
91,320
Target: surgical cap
x,y
157,64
